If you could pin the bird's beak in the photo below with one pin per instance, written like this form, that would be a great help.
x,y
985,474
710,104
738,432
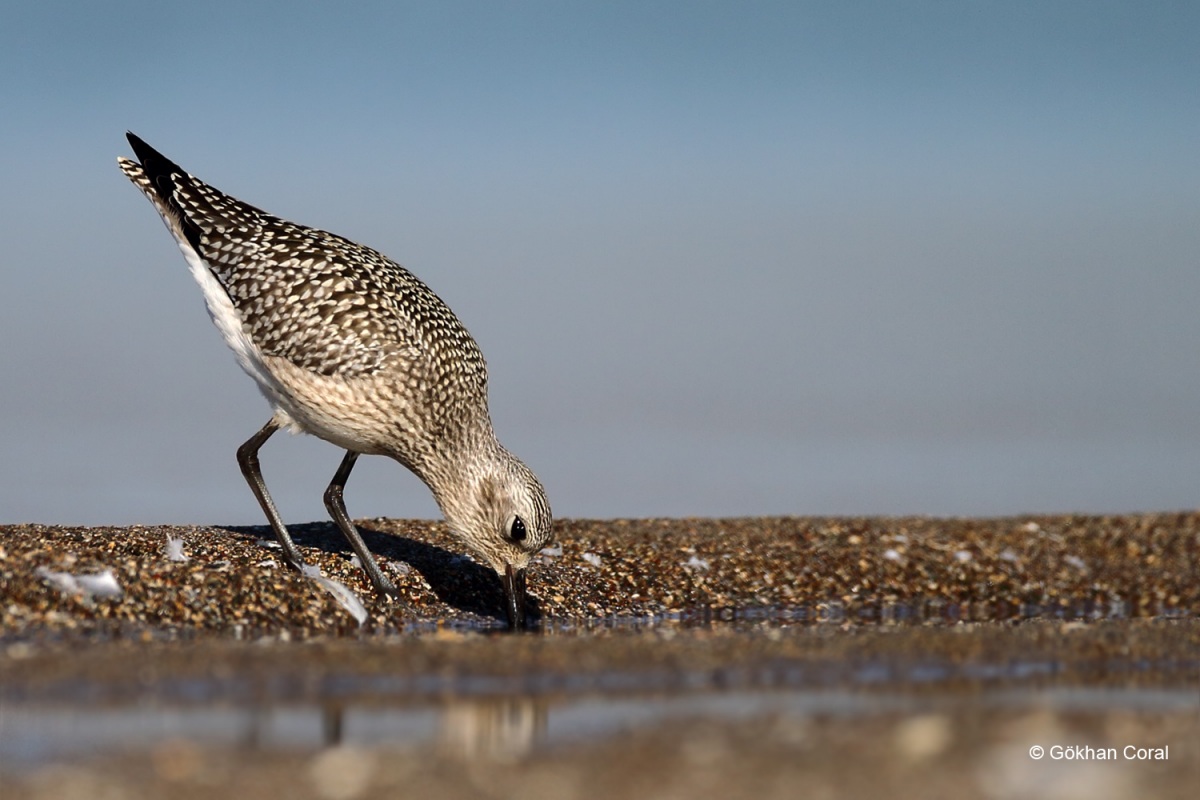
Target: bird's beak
x,y
514,597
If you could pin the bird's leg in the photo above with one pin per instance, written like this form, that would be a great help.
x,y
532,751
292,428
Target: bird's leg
x,y
337,510
247,456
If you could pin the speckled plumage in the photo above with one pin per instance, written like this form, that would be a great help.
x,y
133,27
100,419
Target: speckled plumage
x,y
350,346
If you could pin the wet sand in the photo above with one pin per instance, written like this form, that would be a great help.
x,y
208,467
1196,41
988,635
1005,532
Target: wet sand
x,y
905,657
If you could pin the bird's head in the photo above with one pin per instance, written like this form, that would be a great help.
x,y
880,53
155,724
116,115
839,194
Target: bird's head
x,y
501,513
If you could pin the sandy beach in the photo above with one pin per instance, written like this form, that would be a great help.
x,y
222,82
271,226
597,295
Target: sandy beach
x,y
764,657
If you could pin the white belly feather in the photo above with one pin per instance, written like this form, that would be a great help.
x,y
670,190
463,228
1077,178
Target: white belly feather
x,y
229,323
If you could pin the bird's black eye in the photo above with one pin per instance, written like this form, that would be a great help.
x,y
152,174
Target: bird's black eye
x,y
517,530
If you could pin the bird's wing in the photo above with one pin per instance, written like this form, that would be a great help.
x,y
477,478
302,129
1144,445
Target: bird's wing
x,y
314,298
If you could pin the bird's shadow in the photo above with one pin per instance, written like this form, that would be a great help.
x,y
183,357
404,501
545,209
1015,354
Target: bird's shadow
x,y
457,580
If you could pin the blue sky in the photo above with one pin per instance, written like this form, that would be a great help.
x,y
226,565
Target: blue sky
x,y
723,258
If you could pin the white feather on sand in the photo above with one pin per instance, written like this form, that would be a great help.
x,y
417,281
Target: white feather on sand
x,y
99,584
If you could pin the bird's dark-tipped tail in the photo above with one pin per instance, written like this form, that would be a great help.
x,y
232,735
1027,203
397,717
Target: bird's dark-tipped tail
x,y
156,176
158,168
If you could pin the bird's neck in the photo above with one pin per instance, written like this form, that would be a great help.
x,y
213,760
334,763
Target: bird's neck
x,y
461,469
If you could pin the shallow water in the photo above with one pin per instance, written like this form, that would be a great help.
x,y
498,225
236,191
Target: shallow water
x,y
505,727
919,611
513,715
933,610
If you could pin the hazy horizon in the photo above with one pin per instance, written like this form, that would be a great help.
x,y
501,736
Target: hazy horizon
x,y
723,259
